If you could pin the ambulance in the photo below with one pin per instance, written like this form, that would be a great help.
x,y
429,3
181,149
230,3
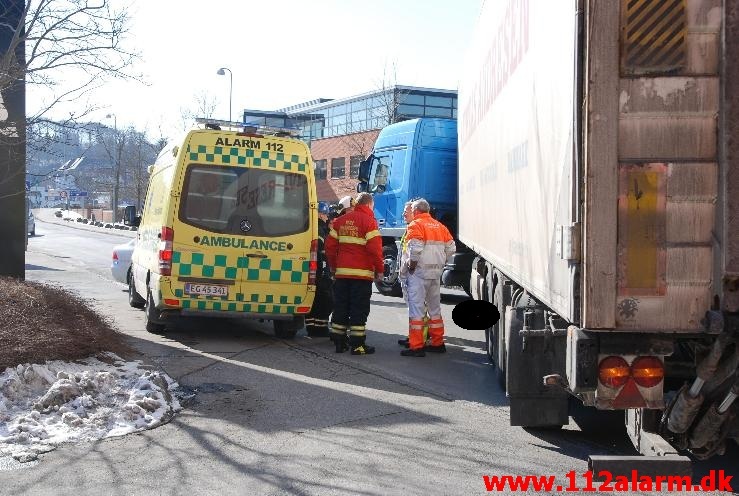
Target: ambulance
x,y
228,229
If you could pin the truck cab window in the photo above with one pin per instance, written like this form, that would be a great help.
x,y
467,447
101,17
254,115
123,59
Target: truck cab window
x,y
380,172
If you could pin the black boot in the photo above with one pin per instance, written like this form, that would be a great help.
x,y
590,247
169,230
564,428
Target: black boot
x,y
436,349
340,342
363,349
320,332
413,353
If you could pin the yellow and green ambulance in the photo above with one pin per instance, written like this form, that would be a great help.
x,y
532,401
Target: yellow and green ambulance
x,y
228,229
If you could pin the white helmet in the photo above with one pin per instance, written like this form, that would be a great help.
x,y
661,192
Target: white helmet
x,y
346,202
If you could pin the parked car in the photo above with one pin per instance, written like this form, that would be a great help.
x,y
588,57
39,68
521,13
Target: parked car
x,y
120,268
31,224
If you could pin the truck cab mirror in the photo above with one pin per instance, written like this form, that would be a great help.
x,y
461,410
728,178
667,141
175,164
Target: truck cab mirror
x,y
362,187
129,216
365,168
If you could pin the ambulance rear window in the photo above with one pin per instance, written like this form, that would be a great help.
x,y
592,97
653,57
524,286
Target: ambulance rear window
x,y
245,201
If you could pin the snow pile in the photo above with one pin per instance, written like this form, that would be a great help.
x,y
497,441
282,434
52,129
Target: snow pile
x,y
42,406
71,215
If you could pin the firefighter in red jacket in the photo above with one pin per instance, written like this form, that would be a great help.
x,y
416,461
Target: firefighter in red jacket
x,y
354,254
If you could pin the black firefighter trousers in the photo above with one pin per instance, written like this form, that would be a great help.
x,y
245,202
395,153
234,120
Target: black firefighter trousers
x,y
351,309
316,322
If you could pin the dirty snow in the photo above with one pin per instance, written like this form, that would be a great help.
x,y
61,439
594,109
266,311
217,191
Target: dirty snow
x,y
42,406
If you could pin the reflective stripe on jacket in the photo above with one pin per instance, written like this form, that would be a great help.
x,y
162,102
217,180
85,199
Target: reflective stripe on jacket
x,y
354,245
430,244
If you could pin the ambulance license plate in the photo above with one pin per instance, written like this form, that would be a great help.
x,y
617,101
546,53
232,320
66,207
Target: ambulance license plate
x,y
206,289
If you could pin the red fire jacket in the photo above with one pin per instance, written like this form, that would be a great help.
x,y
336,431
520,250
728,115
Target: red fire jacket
x,y
354,246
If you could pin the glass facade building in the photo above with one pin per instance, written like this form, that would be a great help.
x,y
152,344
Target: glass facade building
x,y
373,110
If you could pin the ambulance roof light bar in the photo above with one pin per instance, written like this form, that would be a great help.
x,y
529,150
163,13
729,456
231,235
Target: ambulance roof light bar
x,y
247,127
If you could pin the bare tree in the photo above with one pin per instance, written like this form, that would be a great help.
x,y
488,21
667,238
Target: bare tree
x,y
390,97
204,105
72,48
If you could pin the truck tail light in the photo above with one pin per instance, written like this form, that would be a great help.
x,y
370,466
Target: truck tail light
x,y
647,371
613,372
313,264
165,251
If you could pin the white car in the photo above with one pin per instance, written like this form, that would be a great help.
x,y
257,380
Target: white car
x,y
120,268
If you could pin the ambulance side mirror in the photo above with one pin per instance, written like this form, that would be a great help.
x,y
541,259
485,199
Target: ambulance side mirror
x,y
130,218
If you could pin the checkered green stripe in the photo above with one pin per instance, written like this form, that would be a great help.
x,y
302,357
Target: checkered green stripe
x,y
240,297
224,267
189,264
199,304
246,156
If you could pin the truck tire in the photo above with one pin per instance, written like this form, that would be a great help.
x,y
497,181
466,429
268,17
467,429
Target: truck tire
x,y
466,288
287,329
151,316
498,331
134,299
389,285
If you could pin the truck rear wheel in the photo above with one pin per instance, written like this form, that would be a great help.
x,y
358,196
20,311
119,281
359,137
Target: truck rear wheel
x,y
389,284
287,329
497,332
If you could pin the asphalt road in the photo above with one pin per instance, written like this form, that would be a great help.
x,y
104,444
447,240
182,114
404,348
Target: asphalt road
x,y
292,417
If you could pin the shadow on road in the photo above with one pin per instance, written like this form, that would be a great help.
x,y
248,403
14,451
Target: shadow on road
x,y
40,267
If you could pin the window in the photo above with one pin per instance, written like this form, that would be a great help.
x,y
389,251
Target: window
x,y
320,166
439,101
381,170
337,167
414,110
243,201
438,112
354,166
411,99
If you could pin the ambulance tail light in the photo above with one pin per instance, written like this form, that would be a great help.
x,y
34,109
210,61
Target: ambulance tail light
x,y
115,256
647,371
165,251
313,265
613,372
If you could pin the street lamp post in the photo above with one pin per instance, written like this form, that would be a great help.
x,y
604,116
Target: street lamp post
x,y
117,168
222,72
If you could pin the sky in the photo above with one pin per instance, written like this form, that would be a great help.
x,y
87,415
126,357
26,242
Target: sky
x,y
281,52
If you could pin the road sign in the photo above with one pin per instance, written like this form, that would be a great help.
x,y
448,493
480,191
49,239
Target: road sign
x,y
62,194
77,193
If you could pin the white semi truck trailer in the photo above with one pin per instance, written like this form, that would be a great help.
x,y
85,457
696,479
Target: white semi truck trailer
x,y
599,189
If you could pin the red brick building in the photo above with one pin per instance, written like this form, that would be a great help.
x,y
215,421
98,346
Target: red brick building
x,y
337,163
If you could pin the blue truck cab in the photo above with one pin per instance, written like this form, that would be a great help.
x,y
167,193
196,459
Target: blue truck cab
x,y
414,159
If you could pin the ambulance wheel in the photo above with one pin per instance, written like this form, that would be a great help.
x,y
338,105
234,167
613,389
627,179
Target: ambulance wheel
x,y
287,329
151,316
134,299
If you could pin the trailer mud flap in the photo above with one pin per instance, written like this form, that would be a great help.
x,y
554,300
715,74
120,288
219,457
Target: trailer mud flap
x,y
527,362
